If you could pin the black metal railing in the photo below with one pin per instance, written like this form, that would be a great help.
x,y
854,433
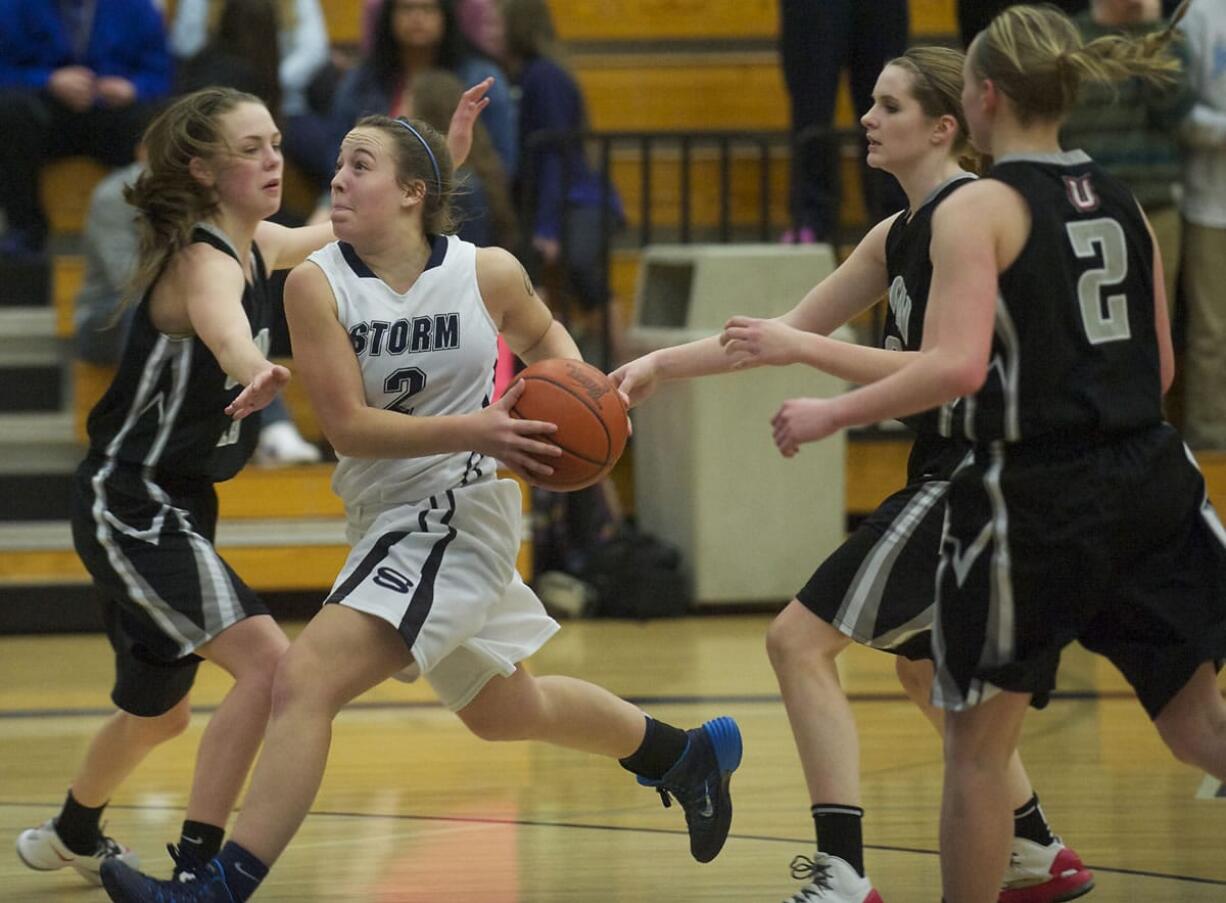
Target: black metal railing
x,y
763,150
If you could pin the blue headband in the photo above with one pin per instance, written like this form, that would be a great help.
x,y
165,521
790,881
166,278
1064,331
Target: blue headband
x,y
438,179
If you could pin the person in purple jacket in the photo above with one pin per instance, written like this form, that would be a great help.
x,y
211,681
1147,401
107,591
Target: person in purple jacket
x,y
556,189
76,77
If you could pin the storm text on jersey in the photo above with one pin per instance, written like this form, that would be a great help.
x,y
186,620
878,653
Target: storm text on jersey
x,y
406,335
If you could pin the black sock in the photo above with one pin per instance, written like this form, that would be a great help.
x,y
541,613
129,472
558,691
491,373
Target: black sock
x,y
839,834
200,841
1030,823
242,871
77,826
662,746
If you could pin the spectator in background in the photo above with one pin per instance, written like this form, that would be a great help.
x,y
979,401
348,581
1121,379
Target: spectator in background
x,y
564,198
410,37
483,202
242,52
102,323
1204,214
76,77
818,39
1131,129
302,50
480,22
974,15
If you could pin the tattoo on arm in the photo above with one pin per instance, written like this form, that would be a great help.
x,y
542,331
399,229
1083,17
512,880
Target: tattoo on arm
x,y
527,281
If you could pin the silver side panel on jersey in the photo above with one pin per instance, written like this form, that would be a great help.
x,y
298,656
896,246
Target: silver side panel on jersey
x,y
1010,370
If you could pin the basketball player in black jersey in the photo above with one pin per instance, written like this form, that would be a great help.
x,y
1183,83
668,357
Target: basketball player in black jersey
x,y
1081,516
877,588
175,421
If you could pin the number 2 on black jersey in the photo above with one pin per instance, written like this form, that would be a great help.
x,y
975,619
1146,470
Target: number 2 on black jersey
x,y
1090,239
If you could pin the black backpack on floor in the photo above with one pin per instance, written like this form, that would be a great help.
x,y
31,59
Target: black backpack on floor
x,y
636,575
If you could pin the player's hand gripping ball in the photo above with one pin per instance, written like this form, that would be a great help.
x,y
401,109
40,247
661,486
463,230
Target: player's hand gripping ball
x,y
590,416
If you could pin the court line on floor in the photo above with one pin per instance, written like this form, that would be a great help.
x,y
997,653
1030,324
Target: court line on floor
x,y
534,823
716,699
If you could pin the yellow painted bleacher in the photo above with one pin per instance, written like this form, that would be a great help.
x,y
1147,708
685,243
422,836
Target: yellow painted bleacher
x,y
630,20
65,186
67,272
686,92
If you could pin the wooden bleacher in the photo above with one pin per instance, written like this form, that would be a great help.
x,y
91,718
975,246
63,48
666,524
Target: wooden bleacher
x,y
636,20
631,84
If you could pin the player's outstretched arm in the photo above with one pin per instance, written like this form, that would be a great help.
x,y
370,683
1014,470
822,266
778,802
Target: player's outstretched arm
x,y
639,378
957,327
284,247
212,284
799,336
753,342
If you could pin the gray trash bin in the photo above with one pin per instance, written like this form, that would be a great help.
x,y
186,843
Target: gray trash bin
x,y
751,525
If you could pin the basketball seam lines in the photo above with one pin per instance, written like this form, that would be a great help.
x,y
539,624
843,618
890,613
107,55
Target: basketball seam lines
x,y
595,412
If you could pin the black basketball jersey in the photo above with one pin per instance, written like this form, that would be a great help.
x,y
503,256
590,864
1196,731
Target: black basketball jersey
x,y
909,265
165,409
1075,349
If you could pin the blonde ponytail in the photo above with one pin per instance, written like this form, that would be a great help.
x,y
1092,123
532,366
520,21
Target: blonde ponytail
x,y
1036,57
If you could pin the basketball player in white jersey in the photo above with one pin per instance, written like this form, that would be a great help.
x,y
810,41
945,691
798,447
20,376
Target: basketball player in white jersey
x,y
394,330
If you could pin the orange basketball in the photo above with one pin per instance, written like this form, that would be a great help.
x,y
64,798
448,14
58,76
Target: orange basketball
x,y
588,410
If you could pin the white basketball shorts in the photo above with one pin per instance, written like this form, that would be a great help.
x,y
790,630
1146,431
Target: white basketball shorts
x,y
442,573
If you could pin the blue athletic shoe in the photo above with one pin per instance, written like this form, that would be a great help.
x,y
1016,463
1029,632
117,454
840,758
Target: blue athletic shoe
x,y
700,780
126,885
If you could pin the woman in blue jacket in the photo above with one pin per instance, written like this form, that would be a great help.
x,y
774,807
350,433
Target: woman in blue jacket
x,y
412,36
75,78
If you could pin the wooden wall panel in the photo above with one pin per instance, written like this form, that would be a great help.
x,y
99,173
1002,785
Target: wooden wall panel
x,y
609,20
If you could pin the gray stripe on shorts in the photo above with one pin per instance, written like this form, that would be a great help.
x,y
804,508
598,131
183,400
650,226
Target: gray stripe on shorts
x,y
999,645
859,608
921,623
219,603
173,623
998,640
945,691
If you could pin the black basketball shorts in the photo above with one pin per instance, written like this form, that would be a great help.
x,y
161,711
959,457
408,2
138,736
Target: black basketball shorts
x,y
164,589
1112,543
879,586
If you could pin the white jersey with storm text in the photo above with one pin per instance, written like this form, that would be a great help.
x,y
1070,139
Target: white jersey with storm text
x,y
427,352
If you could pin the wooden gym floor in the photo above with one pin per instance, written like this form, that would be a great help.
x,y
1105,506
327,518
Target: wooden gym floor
x,y
413,809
